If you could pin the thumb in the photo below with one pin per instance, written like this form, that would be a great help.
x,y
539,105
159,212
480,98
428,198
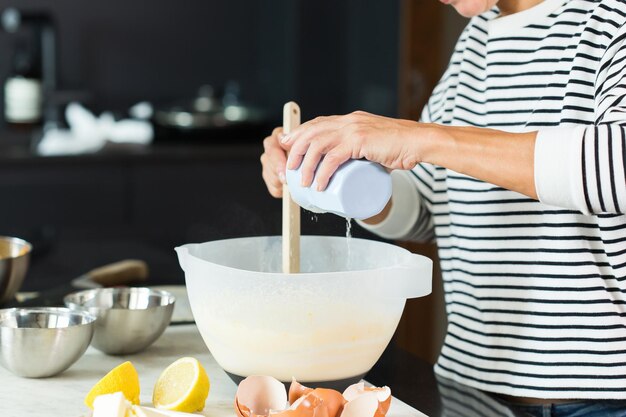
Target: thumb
x,y
285,146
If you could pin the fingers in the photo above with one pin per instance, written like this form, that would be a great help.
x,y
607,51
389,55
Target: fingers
x,y
310,130
310,143
277,157
309,163
278,134
274,161
329,165
319,130
272,180
296,154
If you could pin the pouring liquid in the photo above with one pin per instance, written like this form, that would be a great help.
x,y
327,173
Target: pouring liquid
x,y
348,243
348,228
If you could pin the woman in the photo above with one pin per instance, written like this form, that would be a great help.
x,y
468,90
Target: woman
x,y
519,167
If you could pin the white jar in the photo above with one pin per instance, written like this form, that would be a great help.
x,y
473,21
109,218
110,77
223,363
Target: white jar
x,y
23,99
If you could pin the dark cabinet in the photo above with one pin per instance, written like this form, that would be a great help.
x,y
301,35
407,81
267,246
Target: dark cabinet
x,y
85,211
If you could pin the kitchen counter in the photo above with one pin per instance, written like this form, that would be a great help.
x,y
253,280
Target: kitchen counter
x,y
63,395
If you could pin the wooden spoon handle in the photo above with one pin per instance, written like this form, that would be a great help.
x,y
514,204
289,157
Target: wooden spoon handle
x,y
291,211
111,275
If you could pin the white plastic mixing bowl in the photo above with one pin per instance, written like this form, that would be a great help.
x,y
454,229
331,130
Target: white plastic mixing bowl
x,y
325,326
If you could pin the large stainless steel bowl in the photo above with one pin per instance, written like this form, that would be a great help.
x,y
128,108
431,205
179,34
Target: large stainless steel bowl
x,y
14,259
128,319
42,342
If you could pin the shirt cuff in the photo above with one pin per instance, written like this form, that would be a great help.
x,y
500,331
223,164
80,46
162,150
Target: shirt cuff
x,y
558,162
405,208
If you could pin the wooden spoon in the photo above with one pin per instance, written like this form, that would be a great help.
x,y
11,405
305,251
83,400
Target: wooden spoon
x,y
291,211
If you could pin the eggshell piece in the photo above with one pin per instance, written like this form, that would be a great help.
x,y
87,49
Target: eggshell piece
x,y
383,406
364,405
308,405
354,391
384,399
297,390
258,395
331,399
383,395
241,411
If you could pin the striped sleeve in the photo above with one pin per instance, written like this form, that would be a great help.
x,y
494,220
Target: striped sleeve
x,y
419,226
584,167
409,218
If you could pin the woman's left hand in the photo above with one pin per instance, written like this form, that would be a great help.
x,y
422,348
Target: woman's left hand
x,y
358,135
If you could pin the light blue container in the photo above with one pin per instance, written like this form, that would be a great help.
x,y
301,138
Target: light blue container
x,y
359,189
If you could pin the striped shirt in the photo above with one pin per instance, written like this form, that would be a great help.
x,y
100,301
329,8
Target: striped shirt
x,y
535,290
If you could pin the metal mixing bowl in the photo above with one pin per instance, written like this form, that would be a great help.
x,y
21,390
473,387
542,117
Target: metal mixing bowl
x,y
128,319
41,342
14,258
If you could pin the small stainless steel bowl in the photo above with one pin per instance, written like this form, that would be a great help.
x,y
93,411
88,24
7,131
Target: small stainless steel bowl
x,y
14,259
128,319
42,342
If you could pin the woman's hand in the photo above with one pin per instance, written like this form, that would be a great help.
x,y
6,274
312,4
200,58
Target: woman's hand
x,y
273,160
501,158
337,139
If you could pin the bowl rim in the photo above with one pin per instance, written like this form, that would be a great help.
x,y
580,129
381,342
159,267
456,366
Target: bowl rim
x,y
78,299
20,241
58,311
356,273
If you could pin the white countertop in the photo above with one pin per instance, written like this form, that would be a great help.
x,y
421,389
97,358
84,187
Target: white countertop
x,y
63,395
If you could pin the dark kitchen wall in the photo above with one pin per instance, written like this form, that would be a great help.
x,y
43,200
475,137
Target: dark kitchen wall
x,y
333,56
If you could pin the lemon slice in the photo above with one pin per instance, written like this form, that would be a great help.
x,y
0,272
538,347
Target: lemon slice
x,y
122,378
183,386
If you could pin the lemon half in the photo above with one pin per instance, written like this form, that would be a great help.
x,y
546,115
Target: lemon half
x,y
122,378
183,386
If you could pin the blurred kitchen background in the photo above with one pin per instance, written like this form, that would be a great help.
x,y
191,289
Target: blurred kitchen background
x,y
215,75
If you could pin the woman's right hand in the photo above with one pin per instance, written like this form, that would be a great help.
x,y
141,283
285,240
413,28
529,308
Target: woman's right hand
x,y
274,161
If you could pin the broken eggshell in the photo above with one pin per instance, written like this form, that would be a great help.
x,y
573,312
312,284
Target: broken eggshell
x,y
262,396
297,390
308,405
333,400
363,405
383,396
330,400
